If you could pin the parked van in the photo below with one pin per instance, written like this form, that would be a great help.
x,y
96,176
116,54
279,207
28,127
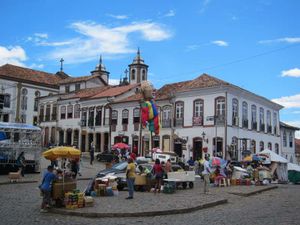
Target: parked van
x,y
164,156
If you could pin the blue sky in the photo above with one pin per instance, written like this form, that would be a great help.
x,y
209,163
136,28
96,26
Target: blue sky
x,y
253,44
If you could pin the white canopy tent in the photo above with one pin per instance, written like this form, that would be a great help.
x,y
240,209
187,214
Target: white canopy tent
x,y
278,164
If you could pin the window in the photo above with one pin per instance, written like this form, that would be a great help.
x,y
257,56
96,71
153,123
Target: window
x,y
275,122
234,148
70,111
235,112
37,95
245,114
77,111
220,110
125,114
253,146
83,117
98,116
143,75
136,115
261,146
106,116
48,110
133,74
291,139
67,88
284,140
24,99
63,112
253,117
277,148
166,116
114,117
269,126
77,87
41,113
179,113
6,102
35,121
91,117
198,112
54,109
269,145
262,119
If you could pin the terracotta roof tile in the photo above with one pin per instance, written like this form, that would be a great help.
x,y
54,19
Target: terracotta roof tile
x,y
29,75
115,91
77,79
84,93
132,98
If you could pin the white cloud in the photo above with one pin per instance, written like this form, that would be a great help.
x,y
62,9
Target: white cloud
x,y
97,38
205,4
291,73
13,55
289,101
220,43
114,81
36,66
290,40
41,35
119,17
171,13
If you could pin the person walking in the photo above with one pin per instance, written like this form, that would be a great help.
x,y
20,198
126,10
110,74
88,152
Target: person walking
x,y
92,151
206,173
130,177
46,188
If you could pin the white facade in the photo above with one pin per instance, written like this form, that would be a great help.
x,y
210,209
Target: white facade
x,y
22,97
288,144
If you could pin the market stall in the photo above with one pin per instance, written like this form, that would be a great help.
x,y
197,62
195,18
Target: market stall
x,y
64,182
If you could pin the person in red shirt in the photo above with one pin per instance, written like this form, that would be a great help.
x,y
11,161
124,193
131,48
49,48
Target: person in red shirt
x,y
133,156
158,173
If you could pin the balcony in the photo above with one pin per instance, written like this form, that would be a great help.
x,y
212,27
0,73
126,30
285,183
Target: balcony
x,y
124,127
83,123
245,124
166,123
269,129
262,127
91,122
54,116
254,125
136,126
113,127
235,121
178,122
219,119
47,118
197,121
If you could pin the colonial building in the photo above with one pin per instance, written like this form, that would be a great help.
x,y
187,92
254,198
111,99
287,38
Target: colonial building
x,y
20,88
288,142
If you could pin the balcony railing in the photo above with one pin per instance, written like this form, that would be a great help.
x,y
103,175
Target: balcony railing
x,y
98,122
235,121
245,123
262,127
47,118
197,121
136,126
178,122
219,120
166,123
125,127
269,129
113,127
54,116
254,125
83,123
91,122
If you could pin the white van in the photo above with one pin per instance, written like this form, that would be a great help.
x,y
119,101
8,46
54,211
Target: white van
x,y
164,156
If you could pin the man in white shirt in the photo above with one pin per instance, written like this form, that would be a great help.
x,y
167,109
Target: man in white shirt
x,y
206,173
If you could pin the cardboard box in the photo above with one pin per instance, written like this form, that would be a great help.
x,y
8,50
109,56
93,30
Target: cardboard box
x,y
59,189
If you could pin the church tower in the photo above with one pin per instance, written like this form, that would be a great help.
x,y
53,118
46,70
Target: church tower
x,y
138,70
101,71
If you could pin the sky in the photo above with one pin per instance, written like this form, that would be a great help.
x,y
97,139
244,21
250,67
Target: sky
x,y
254,44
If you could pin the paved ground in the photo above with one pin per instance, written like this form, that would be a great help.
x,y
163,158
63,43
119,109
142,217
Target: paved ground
x,y
20,205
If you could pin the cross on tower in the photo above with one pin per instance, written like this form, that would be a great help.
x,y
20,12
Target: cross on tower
x,y
61,64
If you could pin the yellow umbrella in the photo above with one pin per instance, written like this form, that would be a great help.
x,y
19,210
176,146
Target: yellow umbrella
x,y
62,152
